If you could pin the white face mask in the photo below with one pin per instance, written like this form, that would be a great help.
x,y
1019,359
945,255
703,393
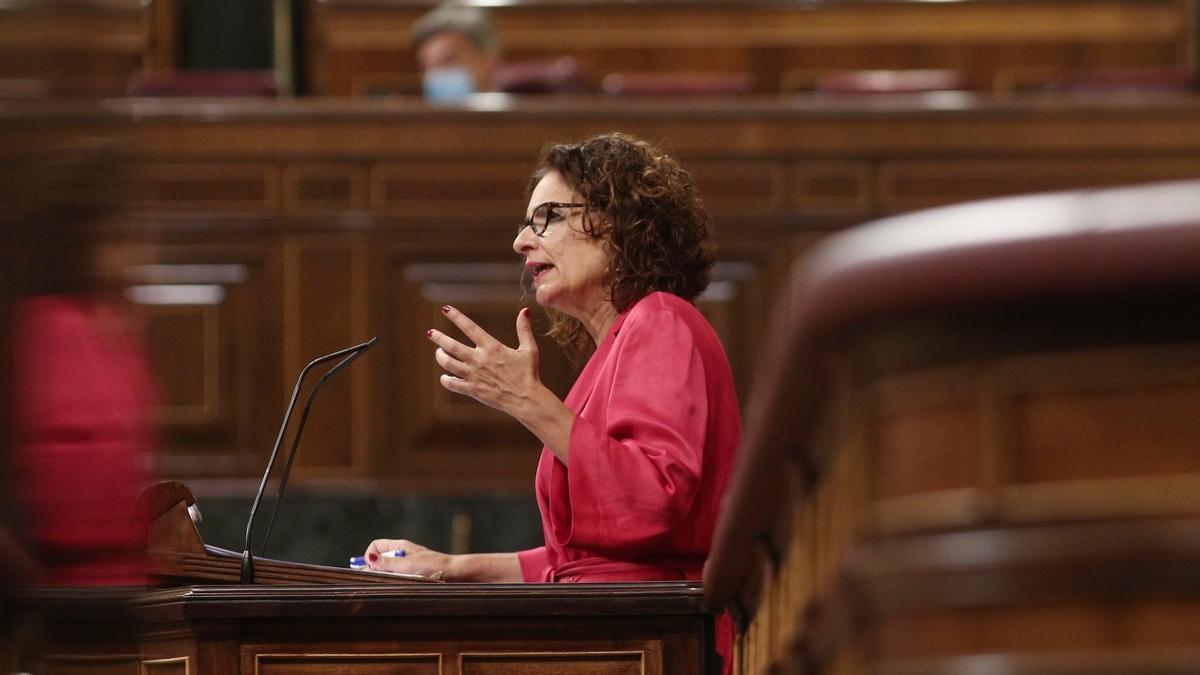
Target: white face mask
x,y
448,85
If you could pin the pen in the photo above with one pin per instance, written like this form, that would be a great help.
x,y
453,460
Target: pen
x,y
360,563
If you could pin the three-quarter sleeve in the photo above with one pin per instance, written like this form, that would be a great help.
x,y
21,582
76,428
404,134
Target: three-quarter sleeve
x,y
633,473
534,562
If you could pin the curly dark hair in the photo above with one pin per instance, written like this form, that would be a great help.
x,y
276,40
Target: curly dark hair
x,y
654,225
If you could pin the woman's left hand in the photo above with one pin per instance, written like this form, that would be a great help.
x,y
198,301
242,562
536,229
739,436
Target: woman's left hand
x,y
413,559
490,372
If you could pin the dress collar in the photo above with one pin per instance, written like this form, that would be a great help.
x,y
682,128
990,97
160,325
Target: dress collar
x,y
586,381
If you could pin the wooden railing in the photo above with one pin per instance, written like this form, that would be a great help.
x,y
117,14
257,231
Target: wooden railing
x,y
974,446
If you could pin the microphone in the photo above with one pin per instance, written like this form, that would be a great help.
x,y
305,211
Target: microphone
x,y
350,353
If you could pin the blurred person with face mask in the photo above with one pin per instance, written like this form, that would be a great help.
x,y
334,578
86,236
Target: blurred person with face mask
x,y
81,389
457,50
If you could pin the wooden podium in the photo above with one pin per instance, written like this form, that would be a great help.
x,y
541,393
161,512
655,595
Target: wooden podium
x,y
314,619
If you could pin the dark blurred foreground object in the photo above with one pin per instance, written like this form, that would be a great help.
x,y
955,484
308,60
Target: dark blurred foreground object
x,y
973,446
75,630
202,83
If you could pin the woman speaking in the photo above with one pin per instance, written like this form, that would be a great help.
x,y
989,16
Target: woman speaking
x,y
617,244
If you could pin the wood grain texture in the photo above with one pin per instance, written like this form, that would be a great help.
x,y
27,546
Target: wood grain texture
x,y
654,628
350,42
84,48
1002,477
320,223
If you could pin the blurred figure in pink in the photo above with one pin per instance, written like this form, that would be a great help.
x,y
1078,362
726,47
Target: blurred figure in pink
x,y
81,390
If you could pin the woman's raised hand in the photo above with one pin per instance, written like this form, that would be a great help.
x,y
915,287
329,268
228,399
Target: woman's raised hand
x,y
490,372
382,555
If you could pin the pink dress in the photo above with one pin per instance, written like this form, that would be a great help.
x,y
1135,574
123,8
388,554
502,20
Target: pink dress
x,y
651,452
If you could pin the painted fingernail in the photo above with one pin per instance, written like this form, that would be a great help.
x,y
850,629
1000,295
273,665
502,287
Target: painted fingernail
x,y
429,333
372,557
445,309
525,312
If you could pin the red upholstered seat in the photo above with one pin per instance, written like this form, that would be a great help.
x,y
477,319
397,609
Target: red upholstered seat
x,y
890,81
206,83
24,89
1129,79
563,75
1096,80
677,84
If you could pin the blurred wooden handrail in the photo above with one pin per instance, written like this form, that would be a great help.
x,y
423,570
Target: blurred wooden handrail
x,y
1076,246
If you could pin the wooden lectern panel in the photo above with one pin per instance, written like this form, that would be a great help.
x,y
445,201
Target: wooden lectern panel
x,y
165,667
300,619
649,628
350,664
580,663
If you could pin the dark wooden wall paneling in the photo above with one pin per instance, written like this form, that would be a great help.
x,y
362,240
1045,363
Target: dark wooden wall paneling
x,y
88,47
300,228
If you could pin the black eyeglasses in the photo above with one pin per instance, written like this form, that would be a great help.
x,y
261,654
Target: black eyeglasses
x,y
544,215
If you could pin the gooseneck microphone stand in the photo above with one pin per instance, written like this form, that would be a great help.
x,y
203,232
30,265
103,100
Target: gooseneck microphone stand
x,y
350,353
